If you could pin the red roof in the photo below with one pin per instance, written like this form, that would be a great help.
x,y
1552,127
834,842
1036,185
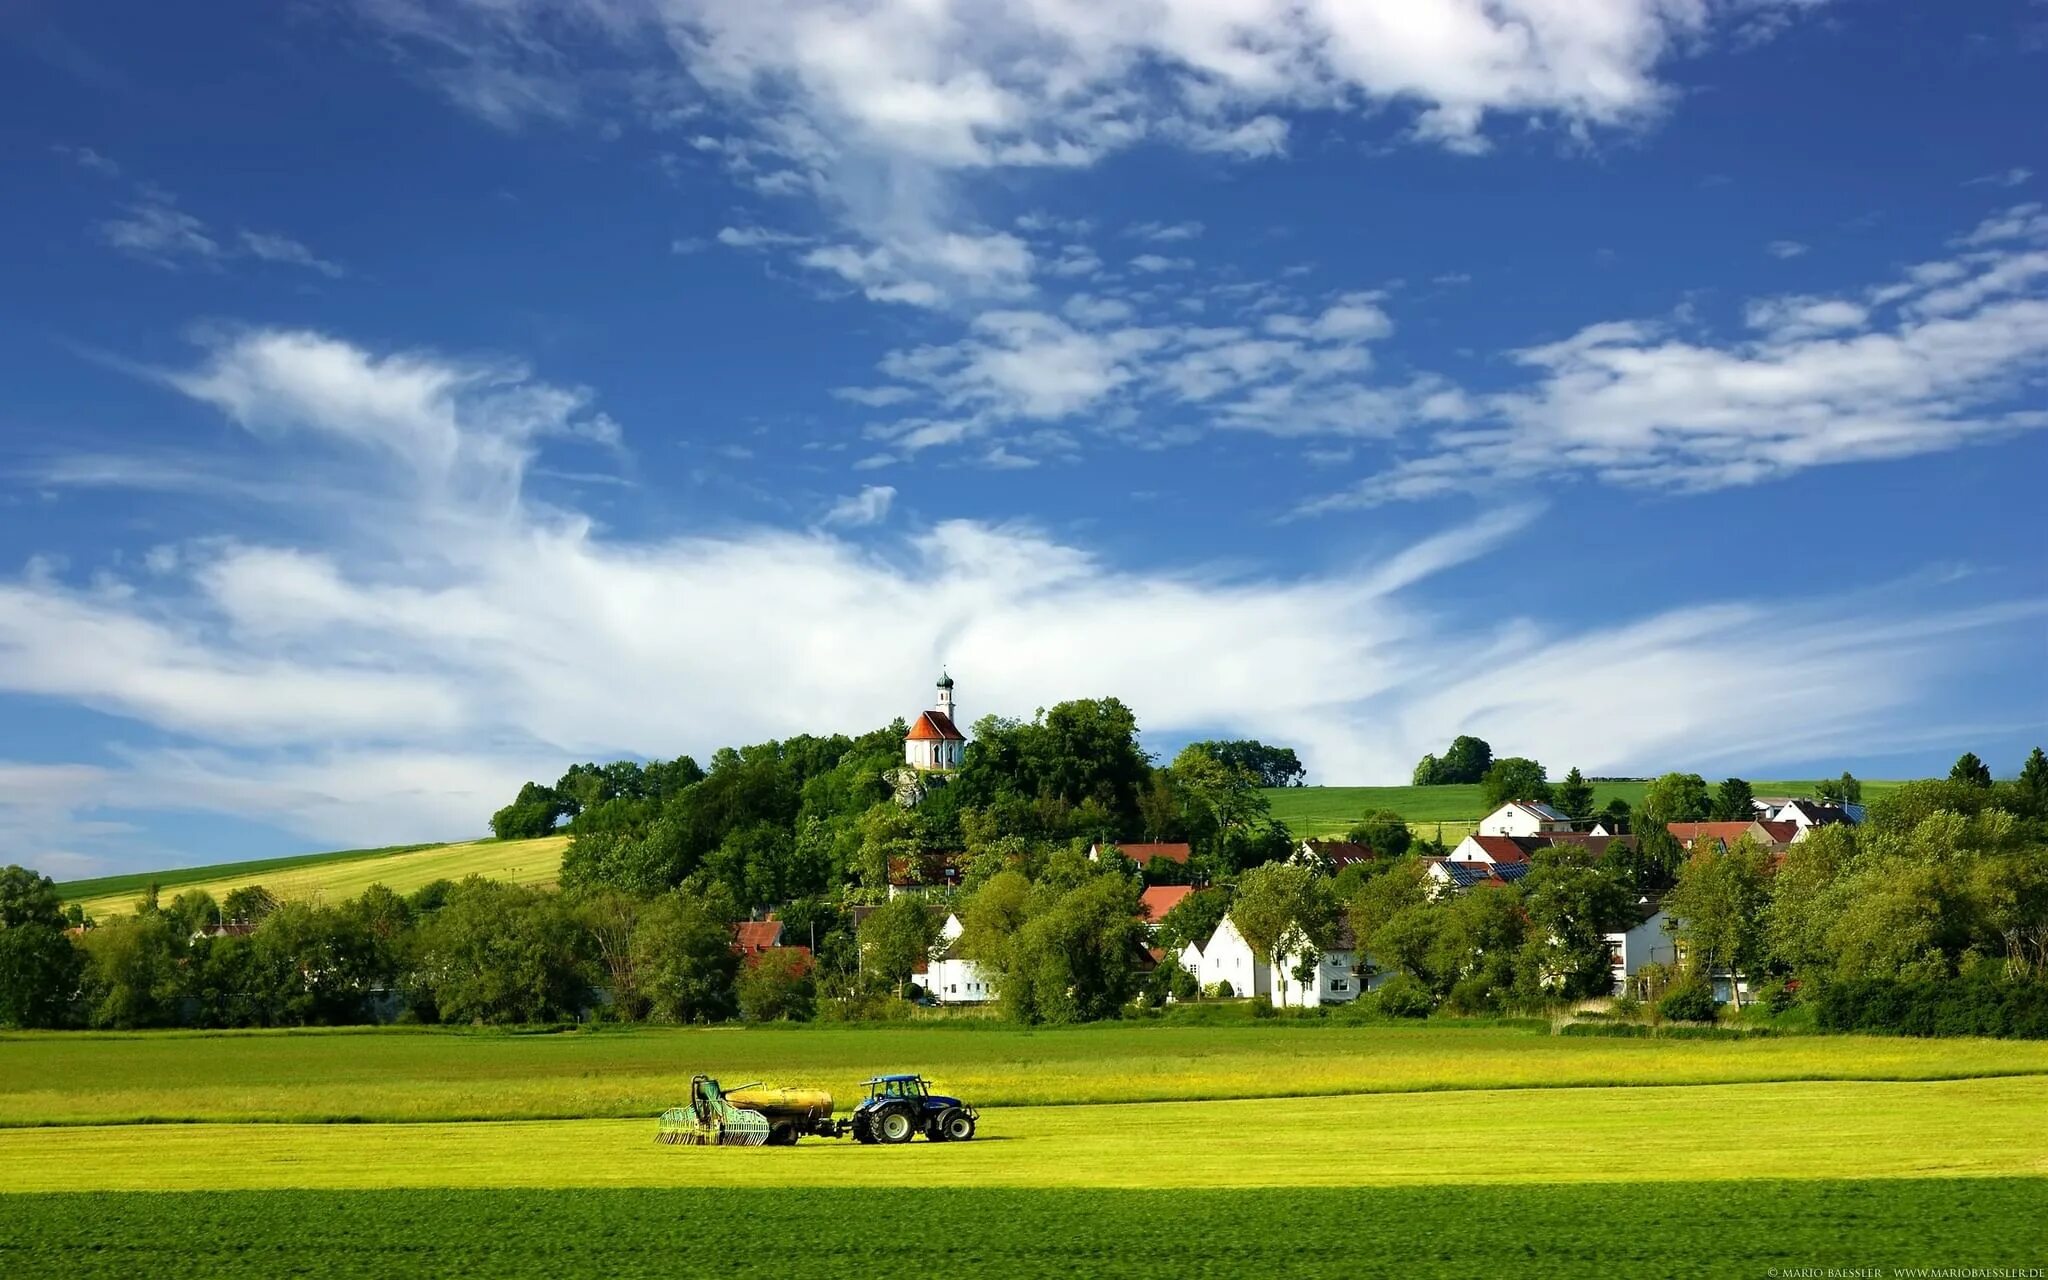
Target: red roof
x,y
1342,853
1729,832
751,937
1781,832
1144,853
935,725
1501,848
1155,902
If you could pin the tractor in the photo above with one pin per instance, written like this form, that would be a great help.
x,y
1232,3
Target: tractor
x,y
900,1107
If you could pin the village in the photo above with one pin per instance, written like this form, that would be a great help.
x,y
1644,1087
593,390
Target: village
x,y
1296,975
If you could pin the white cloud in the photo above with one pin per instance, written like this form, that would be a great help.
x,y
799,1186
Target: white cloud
x,y
155,230
1785,249
88,159
399,686
884,108
2013,177
1165,232
284,249
1153,263
757,238
158,232
1944,357
869,506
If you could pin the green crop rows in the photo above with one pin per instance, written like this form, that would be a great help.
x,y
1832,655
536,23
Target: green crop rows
x,y
1742,1229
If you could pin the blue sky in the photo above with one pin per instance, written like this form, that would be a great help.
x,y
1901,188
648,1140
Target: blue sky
x,y
404,399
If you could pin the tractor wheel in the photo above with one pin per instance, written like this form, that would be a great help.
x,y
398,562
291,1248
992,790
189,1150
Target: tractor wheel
x,y
863,1131
894,1127
957,1126
935,1129
782,1135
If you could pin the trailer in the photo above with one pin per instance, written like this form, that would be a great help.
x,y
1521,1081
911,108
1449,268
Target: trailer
x,y
896,1109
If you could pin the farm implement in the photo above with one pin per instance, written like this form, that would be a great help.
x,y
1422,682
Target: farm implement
x,y
896,1109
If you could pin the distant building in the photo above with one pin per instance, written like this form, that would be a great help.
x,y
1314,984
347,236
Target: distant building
x,y
1227,957
1523,818
1775,836
1155,902
1333,980
1142,854
1330,857
935,741
1642,937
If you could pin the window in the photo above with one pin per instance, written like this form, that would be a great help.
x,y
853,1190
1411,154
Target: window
x,y
1339,984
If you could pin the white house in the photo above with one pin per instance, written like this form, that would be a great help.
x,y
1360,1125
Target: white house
x,y
950,978
1334,979
1493,850
1808,814
1330,857
1644,938
1446,876
1227,957
935,741
1523,818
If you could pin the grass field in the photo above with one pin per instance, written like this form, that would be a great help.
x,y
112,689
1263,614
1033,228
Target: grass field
x,y
72,1079
1324,811
1749,1229
1291,1148
337,876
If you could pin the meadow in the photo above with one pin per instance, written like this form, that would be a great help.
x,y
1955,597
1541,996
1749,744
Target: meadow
x,y
400,1075
335,877
1746,1229
1281,1147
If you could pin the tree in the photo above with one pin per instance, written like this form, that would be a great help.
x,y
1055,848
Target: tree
x,y
1429,772
1572,901
897,937
1077,958
1513,778
1719,903
1969,769
1650,864
499,953
534,812
683,956
1803,900
250,904
1225,804
39,968
1280,906
1383,831
1734,801
1574,796
1270,766
2033,784
776,986
1843,790
131,972
1616,815
1675,797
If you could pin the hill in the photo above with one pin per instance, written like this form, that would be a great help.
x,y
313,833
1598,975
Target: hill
x,y
1326,811
335,876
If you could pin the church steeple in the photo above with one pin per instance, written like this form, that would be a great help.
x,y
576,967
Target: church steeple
x,y
945,702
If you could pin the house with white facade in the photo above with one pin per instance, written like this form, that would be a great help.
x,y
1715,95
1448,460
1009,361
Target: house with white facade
x,y
1523,818
952,978
1333,980
1227,957
1643,937
1446,876
1330,857
1494,850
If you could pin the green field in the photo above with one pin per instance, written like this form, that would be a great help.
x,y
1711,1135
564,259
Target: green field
x,y
1326,811
333,877
1290,1147
428,1075
1748,1230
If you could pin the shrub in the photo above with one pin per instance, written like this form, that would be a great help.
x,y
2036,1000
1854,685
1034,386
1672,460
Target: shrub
x,y
1626,1008
1220,990
1472,995
1693,1002
1403,997
1262,1008
1624,1030
1976,1004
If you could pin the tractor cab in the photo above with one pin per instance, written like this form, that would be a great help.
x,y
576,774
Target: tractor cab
x,y
913,1088
899,1107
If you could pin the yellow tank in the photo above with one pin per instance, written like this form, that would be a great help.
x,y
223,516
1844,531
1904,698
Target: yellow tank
x,y
781,1104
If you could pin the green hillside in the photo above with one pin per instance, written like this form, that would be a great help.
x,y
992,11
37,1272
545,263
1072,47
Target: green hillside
x,y
332,877
1323,811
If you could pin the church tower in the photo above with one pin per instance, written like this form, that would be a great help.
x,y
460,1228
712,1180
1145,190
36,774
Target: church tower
x,y
935,741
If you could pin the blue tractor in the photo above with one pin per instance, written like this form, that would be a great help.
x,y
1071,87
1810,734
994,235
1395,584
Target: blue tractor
x,y
898,1108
